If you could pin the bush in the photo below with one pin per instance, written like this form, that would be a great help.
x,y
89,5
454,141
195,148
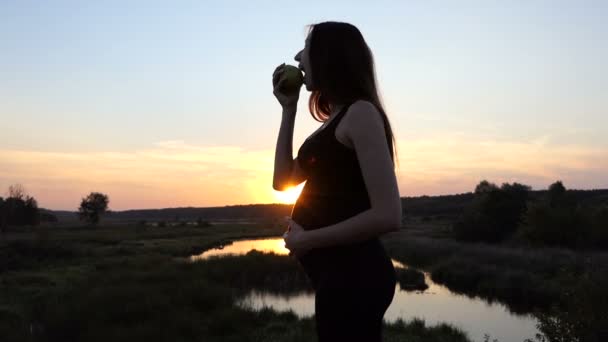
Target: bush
x,y
494,214
581,312
411,279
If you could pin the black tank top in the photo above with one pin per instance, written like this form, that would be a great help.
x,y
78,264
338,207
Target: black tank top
x,y
333,192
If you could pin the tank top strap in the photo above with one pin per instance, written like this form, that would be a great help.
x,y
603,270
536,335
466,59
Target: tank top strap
x,y
334,123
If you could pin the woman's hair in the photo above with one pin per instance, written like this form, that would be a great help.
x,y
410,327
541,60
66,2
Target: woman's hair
x,y
342,72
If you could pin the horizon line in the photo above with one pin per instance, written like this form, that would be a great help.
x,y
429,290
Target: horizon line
x,y
278,203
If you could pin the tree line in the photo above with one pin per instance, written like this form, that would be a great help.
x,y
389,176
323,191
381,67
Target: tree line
x,y
555,218
491,214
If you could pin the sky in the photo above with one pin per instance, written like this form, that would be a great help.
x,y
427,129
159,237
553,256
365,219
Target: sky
x,y
170,104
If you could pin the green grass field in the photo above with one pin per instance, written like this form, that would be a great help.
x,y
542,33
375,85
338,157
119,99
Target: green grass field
x,y
130,283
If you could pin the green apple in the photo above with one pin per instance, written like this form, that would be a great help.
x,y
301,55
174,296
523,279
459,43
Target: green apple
x,y
293,79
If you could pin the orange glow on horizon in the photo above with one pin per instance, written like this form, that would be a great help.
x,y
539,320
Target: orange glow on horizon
x,y
176,174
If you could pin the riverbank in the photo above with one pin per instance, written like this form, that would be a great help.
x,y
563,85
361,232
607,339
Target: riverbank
x,y
566,290
131,284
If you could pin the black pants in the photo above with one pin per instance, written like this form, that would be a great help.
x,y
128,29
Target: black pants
x,y
352,309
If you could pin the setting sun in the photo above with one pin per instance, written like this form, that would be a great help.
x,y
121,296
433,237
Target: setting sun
x,y
290,195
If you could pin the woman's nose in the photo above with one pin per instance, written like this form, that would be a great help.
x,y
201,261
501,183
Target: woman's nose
x,y
297,56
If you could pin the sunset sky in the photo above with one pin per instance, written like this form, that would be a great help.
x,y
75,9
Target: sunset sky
x,y
168,104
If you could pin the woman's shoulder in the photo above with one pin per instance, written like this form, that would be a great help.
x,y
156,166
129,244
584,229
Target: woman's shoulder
x,y
362,104
361,118
360,115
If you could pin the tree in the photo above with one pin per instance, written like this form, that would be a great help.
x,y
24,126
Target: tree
x,y
557,189
2,215
16,191
93,207
31,213
557,195
484,187
18,209
560,219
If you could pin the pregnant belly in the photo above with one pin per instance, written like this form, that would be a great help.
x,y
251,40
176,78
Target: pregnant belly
x,y
317,210
362,264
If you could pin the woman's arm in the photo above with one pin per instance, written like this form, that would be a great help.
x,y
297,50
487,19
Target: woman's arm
x,y
365,129
287,172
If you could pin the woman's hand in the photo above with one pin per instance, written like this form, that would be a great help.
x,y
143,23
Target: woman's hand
x,y
295,238
287,100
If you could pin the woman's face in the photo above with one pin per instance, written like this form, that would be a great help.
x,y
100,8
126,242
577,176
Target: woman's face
x,y
304,64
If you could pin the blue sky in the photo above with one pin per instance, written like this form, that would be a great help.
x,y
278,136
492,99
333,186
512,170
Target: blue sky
x,y
518,86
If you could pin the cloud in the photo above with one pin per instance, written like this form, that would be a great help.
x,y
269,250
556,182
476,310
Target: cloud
x,y
174,173
454,164
168,174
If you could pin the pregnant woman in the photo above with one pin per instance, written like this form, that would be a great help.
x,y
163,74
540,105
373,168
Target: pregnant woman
x,y
350,197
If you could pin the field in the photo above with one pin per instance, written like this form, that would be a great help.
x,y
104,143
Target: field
x,y
131,283
135,283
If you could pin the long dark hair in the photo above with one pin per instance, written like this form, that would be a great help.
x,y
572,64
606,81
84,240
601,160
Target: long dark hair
x,y
343,72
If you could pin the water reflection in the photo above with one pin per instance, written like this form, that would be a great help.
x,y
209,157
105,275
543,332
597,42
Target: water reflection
x,y
239,247
437,304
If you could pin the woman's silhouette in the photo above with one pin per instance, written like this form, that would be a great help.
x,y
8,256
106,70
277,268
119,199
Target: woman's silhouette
x,y
350,197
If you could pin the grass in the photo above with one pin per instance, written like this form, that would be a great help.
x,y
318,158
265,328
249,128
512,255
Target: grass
x,y
565,290
417,331
131,284
524,279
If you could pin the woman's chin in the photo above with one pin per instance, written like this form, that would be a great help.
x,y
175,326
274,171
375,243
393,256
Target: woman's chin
x,y
307,87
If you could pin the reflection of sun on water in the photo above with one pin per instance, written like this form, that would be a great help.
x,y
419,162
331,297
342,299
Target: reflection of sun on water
x,y
290,195
275,245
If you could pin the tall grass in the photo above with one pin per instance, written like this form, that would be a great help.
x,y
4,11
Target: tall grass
x,y
566,291
526,279
117,285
